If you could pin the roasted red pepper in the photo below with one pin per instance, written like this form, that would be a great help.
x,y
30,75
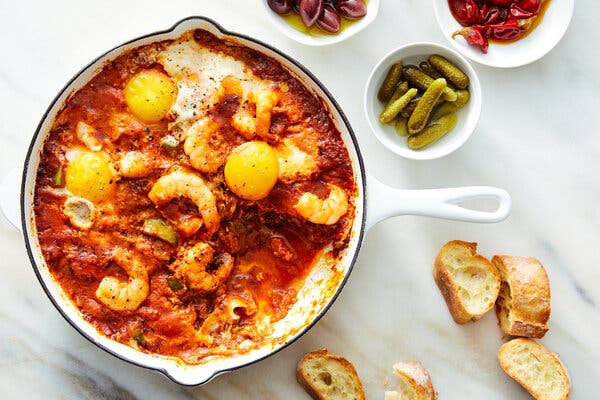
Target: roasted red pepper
x,y
474,36
500,20
466,12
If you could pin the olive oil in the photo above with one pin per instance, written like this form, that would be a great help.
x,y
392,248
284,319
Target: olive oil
x,y
537,21
295,21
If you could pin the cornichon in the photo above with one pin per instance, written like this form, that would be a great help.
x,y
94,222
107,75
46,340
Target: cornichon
x,y
391,110
450,71
419,117
389,83
448,108
401,89
433,132
401,127
429,70
408,110
421,80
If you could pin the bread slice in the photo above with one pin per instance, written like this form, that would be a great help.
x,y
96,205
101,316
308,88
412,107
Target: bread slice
x,y
327,376
414,383
468,281
523,305
536,369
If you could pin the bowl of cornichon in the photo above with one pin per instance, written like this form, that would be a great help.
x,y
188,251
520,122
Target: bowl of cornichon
x,y
423,101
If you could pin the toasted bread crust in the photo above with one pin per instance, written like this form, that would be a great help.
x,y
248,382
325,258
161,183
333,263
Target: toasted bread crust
x,y
541,354
418,378
450,289
523,306
323,354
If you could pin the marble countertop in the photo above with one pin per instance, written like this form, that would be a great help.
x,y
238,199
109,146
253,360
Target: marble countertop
x,y
537,138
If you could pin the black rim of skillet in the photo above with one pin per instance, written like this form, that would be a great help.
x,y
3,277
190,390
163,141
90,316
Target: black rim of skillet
x,y
32,148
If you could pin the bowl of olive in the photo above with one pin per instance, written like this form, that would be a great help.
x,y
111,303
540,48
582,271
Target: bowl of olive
x,y
320,22
423,101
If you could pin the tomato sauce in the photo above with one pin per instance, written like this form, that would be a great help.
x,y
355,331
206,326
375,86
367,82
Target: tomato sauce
x,y
272,246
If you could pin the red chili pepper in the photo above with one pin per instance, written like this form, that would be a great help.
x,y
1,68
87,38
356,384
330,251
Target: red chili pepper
x,y
474,36
516,12
532,6
491,15
466,12
501,3
508,30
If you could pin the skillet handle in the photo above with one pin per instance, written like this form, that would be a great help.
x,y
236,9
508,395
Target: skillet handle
x,y
9,197
384,202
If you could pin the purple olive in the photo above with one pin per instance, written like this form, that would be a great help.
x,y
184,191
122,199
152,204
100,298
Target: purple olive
x,y
280,6
296,6
351,9
310,11
329,21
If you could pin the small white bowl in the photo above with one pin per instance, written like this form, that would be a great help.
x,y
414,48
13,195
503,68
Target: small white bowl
x,y
292,33
468,116
524,51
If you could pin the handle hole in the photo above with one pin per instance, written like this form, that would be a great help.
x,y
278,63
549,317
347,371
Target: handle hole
x,y
483,203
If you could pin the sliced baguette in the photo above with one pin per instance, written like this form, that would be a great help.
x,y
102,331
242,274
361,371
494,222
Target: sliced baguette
x,y
414,383
468,281
327,376
536,369
523,305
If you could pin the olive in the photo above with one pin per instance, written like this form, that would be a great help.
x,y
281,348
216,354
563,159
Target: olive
x,y
296,6
280,6
310,10
329,21
351,9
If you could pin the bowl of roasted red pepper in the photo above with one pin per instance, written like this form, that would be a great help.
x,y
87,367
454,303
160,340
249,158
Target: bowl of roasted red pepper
x,y
504,33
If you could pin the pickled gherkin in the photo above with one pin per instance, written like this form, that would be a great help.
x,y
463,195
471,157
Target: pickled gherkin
x,y
448,108
401,126
419,118
421,80
432,132
408,110
389,83
450,71
401,89
391,110
429,70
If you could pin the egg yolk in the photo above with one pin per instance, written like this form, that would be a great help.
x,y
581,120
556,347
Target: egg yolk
x,y
90,175
150,94
251,170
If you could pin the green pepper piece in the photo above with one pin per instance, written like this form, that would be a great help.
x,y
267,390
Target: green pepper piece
x,y
158,228
59,177
138,336
175,284
169,142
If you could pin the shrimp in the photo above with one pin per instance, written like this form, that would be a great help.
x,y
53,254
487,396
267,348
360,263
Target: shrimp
x,y
194,266
180,183
125,296
226,313
135,164
249,124
324,212
206,148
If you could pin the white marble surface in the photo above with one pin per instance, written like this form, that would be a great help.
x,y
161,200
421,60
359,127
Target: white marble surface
x,y
537,138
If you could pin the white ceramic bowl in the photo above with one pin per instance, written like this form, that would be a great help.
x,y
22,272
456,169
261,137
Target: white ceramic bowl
x,y
292,33
524,51
468,116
